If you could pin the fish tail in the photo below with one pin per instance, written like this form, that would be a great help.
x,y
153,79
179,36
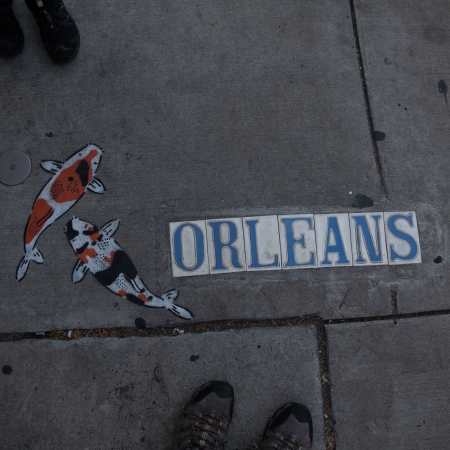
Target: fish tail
x,y
33,255
169,298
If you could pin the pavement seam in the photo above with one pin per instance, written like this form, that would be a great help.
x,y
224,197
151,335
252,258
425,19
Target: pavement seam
x,y
395,317
366,100
203,327
141,330
322,344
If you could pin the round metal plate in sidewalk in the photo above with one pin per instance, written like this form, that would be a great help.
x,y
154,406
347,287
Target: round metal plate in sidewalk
x,y
15,167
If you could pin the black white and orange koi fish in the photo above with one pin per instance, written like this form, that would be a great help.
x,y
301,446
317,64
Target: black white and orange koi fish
x,y
99,253
70,181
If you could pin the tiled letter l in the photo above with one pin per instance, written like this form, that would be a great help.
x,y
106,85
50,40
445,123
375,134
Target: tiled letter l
x,y
254,247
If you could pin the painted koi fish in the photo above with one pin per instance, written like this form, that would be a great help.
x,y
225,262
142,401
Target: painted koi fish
x,y
99,253
70,181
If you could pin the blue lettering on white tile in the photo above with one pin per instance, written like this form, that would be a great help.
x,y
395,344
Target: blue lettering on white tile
x,y
292,242
255,264
219,246
334,234
363,231
413,247
297,241
198,247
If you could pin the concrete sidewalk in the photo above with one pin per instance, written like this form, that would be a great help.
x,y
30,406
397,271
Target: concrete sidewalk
x,y
129,393
228,110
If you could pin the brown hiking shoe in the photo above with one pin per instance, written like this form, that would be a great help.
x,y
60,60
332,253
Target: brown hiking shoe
x,y
206,418
289,429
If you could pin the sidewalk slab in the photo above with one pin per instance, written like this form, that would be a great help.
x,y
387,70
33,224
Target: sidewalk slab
x,y
406,56
128,393
206,110
389,383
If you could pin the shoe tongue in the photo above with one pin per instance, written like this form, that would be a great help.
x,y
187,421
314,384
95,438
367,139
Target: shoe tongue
x,y
214,405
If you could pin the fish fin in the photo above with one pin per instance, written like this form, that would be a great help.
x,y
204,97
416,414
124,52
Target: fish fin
x,y
96,186
35,255
110,228
51,166
168,298
183,313
22,269
79,271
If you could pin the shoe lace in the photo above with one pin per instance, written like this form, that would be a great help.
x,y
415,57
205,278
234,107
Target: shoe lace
x,y
280,442
52,16
204,432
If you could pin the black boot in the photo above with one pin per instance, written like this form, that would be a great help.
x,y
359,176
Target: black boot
x,y
11,35
58,30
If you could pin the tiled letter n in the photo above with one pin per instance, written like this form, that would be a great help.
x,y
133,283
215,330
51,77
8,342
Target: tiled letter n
x,y
362,230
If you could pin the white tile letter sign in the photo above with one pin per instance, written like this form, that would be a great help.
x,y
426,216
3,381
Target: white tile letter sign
x,y
297,241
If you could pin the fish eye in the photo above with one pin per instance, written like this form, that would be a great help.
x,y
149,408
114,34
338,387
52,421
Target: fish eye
x,y
70,178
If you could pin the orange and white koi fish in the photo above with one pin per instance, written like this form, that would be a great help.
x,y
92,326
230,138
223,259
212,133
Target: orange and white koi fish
x,y
99,253
70,181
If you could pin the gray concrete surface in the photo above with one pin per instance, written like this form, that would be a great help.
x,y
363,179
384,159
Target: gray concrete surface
x,y
205,110
222,111
406,55
215,110
389,383
128,393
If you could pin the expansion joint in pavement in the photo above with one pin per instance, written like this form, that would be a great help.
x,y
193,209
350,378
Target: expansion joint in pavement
x,y
320,324
394,316
141,330
366,101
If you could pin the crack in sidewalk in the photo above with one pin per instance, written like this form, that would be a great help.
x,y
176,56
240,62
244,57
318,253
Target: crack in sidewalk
x,y
362,74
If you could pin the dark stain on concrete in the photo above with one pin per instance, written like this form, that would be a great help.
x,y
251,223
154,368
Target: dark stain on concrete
x,y
140,323
362,201
7,370
157,375
438,259
443,89
379,135
125,391
394,302
194,358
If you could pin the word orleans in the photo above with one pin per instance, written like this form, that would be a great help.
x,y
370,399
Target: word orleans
x,y
294,242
